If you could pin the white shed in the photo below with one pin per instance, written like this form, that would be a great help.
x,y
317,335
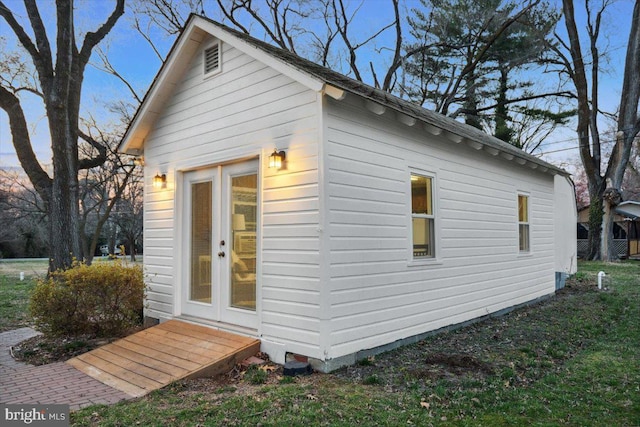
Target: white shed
x,y
384,221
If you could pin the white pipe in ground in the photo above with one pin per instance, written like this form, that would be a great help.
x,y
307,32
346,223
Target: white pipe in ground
x,y
600,276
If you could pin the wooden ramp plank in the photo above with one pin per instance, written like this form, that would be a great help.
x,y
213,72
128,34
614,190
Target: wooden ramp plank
x,y
160,356
170,346
107,378
150,362
198,346
151,359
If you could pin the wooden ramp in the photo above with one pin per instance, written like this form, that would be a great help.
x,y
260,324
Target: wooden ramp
x,y
152,358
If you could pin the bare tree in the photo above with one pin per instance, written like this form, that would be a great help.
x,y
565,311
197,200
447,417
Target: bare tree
x,y
58,79
102,187
321,30
128,214
23,221
604,185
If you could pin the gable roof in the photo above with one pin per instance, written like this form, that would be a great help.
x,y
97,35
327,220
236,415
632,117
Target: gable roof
x,y
315,77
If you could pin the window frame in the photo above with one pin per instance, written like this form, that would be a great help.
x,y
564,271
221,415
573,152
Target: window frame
x,y
434,216
527,223
218,69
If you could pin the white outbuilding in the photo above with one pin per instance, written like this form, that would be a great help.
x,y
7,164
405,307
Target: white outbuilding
x,y
325,217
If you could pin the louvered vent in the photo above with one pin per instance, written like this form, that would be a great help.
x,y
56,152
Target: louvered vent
x,y
212,59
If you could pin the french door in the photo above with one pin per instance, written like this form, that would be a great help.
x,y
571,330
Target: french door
x,y
220,223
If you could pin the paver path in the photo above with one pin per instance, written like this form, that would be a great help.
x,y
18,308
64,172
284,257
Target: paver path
x,y
56,383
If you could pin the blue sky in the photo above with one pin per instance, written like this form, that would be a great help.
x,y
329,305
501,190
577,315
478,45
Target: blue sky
x,y
132,57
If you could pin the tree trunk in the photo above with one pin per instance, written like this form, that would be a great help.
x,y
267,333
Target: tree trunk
x,y
502,130
60,85
628,129
607,249
595,226
64,212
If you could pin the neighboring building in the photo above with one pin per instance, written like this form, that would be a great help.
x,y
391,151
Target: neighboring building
x,y
383,222
626,230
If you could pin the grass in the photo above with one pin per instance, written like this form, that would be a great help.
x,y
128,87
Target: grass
x,y
571,360
30,267
14,302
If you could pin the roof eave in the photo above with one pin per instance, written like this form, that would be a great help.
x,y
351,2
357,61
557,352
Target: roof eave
x,y
502,149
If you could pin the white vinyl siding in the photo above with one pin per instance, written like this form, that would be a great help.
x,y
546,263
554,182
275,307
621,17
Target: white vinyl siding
x,y
376,296
337,227
247,111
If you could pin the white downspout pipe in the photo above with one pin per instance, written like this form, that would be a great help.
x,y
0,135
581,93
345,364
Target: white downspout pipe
x,y
600,276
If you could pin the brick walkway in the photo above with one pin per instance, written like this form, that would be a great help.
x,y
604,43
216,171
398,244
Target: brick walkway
x,y
56,383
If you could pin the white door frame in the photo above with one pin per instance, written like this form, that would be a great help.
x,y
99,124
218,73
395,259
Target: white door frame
x,y
219,309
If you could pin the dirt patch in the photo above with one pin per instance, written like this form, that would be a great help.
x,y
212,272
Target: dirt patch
x,y
42,350
518,347
459,363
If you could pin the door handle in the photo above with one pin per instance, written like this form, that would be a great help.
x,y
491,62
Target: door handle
x,y
221,254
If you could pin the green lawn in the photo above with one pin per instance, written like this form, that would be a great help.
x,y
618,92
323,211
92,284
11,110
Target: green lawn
x,y
572,360
14,301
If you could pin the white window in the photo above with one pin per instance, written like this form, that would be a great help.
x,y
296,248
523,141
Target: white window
x,y
211,59
422,216
523,222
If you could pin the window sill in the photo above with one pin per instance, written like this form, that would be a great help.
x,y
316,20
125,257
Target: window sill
x,y
424,262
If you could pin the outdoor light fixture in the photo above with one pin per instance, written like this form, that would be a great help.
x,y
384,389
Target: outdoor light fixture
x,y
160,181
276,159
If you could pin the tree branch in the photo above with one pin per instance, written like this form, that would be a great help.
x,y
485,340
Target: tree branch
x,y
230,15
22,144
147,38
93,38
564,93
397,53
108,68
92,162
25,41
42,40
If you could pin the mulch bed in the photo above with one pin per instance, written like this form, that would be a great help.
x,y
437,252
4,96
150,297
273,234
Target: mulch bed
x,y
42,350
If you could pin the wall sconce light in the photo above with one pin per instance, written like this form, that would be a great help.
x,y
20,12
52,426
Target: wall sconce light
x,y
138,160
160,181
276,159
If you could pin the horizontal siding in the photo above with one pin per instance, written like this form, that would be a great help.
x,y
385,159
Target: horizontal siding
x,y
245,111
158,250
378,295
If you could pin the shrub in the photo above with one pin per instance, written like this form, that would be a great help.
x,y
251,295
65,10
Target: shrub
x,y
101,300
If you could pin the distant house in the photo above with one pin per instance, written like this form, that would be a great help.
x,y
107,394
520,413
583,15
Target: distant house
x,y
626,230
330,219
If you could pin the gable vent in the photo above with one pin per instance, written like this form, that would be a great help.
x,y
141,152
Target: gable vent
x,y
212,59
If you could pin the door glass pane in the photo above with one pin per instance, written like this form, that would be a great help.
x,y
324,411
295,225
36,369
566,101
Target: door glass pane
x,y
243,245
201,220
